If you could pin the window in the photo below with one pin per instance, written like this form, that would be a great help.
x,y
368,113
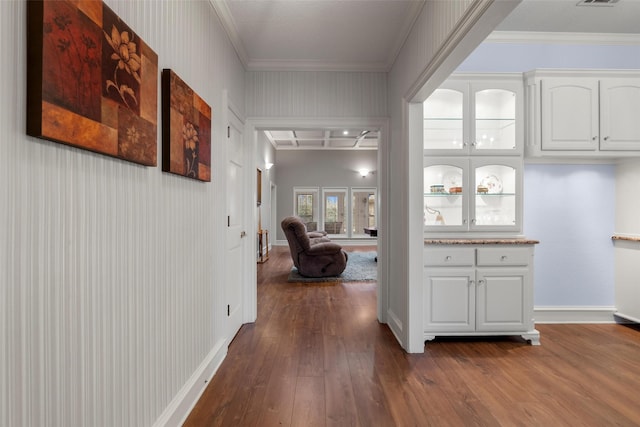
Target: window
x,y
305,202
363,211
341,211
305,206
335,204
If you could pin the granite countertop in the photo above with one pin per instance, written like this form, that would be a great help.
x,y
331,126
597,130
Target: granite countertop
x,y
480,242
628,238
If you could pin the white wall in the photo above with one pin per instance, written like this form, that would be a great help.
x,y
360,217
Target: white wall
x,y
627,191
315,94
627,253
110,272
433,26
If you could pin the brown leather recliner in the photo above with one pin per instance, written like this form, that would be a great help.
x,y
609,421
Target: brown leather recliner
x,y
313,256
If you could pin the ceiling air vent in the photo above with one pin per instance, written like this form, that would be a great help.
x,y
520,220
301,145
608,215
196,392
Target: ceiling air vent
x,y
597,2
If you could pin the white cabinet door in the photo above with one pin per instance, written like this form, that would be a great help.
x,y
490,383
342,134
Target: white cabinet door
x,y
569,114
502,299
449,300
620,114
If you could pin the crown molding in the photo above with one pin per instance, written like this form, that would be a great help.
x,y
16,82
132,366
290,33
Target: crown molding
x,y
226,19
280,65
403,34
563,38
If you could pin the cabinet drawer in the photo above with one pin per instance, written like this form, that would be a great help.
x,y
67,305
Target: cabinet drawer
x,y
444,257
503,256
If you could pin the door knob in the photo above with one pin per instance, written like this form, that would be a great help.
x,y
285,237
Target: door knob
x,y
243,234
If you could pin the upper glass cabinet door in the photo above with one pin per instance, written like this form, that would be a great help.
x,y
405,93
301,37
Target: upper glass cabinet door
x,y
444,120
495,120
469,117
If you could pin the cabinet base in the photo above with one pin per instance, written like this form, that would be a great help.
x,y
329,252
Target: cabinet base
x,y
532,336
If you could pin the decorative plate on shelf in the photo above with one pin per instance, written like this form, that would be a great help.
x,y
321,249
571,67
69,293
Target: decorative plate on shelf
x,y
492,183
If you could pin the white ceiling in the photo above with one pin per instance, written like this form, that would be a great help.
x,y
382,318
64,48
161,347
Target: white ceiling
x,y
366,35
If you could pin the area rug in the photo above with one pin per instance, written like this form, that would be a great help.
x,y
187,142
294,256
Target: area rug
x,y
361,267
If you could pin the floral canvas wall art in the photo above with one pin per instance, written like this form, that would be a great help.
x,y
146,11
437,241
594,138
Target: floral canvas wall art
x,y
91,81
186,129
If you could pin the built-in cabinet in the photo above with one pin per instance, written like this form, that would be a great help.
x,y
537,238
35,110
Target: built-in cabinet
x,y
479,289
583,113
473,162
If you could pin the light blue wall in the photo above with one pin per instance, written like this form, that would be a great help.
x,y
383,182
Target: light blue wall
x,y
512,57
571,210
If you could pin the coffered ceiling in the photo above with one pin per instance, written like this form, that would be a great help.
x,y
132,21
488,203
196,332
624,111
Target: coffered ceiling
x,y
347,139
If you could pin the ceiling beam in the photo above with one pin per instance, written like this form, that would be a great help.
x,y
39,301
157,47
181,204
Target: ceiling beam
x,y
360,138
327,137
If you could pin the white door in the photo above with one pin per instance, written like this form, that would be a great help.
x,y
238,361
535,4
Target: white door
x,y
235,225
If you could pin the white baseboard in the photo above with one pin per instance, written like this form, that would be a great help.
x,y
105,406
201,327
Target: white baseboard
x,y
395,324
625,318
574,314
180,407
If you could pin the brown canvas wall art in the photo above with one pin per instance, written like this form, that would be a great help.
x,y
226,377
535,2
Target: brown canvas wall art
x,y
186,129
91,81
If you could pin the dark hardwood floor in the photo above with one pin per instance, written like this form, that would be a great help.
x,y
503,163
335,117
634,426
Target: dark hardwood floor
x,y
317,356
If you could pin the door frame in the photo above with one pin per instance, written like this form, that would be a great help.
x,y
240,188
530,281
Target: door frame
x,y
255,124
